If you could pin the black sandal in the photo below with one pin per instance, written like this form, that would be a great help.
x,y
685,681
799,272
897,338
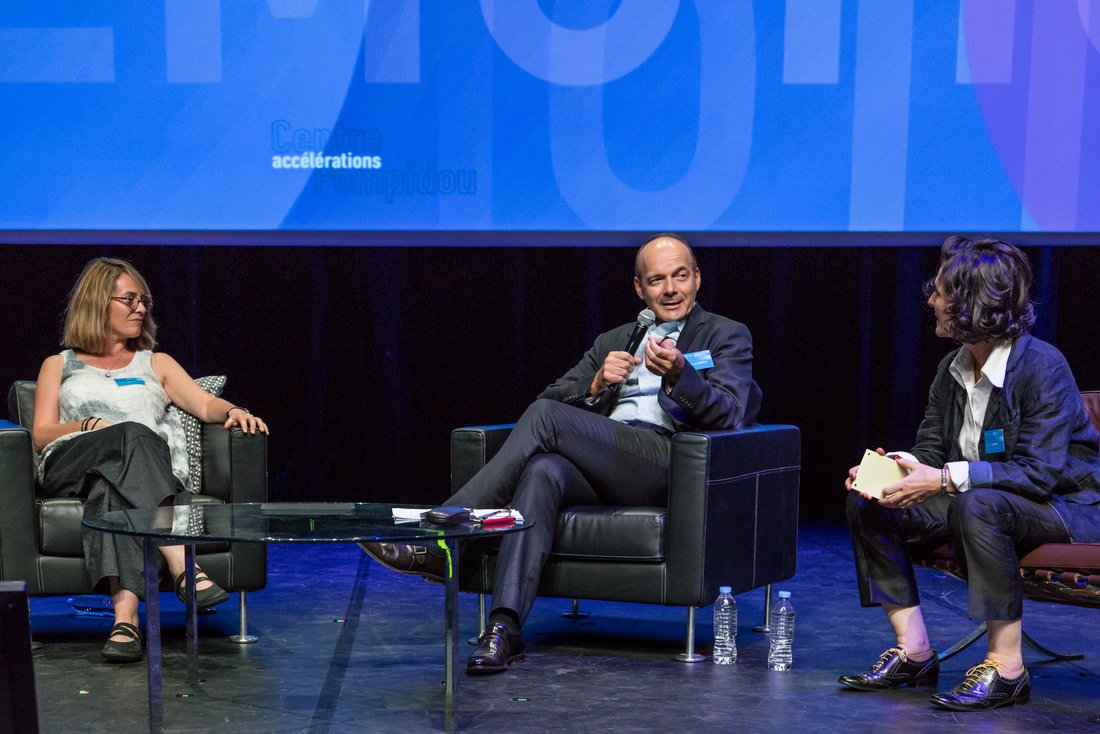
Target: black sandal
x,y
123,652
204,598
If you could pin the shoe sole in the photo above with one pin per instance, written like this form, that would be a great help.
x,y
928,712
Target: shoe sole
x,y
925,683
119,656
215,601
488,670
1001,704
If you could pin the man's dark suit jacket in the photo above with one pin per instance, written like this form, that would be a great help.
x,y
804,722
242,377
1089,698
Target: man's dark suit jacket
x,y
1050,446
721,397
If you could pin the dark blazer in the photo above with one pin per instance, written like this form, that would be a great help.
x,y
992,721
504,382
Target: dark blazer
x,y
1050,446
721,397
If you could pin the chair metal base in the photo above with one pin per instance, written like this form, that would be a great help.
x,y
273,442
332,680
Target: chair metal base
x,y
575,613
979,632
767,611
244,638
689,655
482,621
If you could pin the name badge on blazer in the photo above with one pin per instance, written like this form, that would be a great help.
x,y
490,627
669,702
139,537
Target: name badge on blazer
x,y
995,441
700,360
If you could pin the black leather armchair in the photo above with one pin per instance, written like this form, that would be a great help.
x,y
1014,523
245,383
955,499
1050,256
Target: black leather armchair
x,y
731,520
40,540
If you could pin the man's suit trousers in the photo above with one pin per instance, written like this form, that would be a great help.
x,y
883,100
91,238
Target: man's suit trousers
x,y
559,455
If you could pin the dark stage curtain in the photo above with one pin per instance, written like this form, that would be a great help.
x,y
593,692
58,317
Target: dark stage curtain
x,y
363,359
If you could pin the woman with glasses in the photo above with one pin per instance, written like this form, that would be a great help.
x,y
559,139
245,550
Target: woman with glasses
x,y
1005,460
105,435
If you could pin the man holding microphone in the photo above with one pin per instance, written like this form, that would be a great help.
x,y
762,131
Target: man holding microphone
x,y
601,434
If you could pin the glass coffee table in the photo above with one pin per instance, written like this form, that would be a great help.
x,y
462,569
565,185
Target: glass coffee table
x,y
278,522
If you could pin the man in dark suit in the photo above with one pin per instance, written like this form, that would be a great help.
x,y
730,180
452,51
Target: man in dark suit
x,y
585,441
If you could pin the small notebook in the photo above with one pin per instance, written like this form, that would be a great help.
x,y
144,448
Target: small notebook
x,y
875,472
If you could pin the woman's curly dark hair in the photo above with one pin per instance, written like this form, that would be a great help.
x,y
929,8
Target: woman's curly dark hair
x,y
987,286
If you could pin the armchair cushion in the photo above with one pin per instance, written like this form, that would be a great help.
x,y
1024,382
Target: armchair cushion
x,y
611,533
59,528
192,430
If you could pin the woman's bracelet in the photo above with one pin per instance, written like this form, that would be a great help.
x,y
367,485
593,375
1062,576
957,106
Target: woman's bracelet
x,y
236,407
943,480
87,425
84,424
91,426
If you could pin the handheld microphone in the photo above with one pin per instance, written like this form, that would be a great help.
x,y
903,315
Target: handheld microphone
x,y
646,318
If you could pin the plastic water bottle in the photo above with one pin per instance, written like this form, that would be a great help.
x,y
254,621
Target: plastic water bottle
x,y
95,605
782,634
725,628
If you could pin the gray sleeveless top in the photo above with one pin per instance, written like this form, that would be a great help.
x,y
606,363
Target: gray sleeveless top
x,y
131,393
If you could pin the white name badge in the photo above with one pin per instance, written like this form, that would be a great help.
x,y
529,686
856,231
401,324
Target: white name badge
x,y
700,360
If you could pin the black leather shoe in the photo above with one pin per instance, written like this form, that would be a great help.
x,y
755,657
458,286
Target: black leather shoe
x,y
123,652
497,648
418,560
212,595
984,689
893,669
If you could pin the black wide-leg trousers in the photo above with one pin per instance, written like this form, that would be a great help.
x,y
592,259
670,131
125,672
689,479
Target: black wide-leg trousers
x,y
988,529
120,467
559,455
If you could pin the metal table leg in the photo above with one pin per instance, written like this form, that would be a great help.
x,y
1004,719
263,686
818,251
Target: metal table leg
x,y
192,616
152,637
451,634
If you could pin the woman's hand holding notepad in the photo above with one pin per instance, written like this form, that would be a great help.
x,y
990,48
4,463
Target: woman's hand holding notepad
x,y
875,472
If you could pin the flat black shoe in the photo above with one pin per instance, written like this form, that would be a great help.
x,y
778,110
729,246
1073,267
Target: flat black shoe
x,y
123,652
894,669
417,560
985,689
497,648
204,598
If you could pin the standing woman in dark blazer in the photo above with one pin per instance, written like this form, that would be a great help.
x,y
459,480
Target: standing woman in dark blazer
x,y
1005,460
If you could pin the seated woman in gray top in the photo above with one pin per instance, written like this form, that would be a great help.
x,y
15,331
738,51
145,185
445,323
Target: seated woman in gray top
x,y
105,434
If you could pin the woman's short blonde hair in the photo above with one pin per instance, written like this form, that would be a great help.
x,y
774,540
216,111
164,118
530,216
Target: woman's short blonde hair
x,y
87,324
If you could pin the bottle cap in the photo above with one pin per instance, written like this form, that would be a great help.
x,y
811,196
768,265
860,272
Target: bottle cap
x,y
784,595
725,589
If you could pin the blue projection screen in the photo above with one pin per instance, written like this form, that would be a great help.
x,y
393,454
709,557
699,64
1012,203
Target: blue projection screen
x,y
541,115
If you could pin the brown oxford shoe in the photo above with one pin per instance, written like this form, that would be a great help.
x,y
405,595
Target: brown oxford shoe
x,y
497,648
417,560
894,669
984,689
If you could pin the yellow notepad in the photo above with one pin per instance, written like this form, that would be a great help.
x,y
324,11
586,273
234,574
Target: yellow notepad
x,y
875,472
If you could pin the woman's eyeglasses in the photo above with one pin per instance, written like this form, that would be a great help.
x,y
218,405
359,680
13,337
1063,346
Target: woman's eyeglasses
x,y
132,301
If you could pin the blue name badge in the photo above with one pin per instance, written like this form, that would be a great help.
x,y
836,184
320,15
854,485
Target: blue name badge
x,y
995,441
124,381
700,360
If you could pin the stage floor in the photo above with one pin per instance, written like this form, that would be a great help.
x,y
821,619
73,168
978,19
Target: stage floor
x,y
348,646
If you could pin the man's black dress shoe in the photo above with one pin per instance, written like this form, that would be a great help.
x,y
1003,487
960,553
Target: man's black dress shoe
x,y
894,669
497,648
983,689
426,561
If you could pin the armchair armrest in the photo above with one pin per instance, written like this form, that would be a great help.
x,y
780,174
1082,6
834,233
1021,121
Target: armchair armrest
x,y
17,520
234,464
471,449
733,510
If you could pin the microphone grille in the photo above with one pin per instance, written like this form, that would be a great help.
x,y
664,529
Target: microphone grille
x,y
646,317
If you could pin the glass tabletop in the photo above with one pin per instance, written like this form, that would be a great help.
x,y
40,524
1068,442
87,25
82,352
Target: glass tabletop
x,y
286,522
